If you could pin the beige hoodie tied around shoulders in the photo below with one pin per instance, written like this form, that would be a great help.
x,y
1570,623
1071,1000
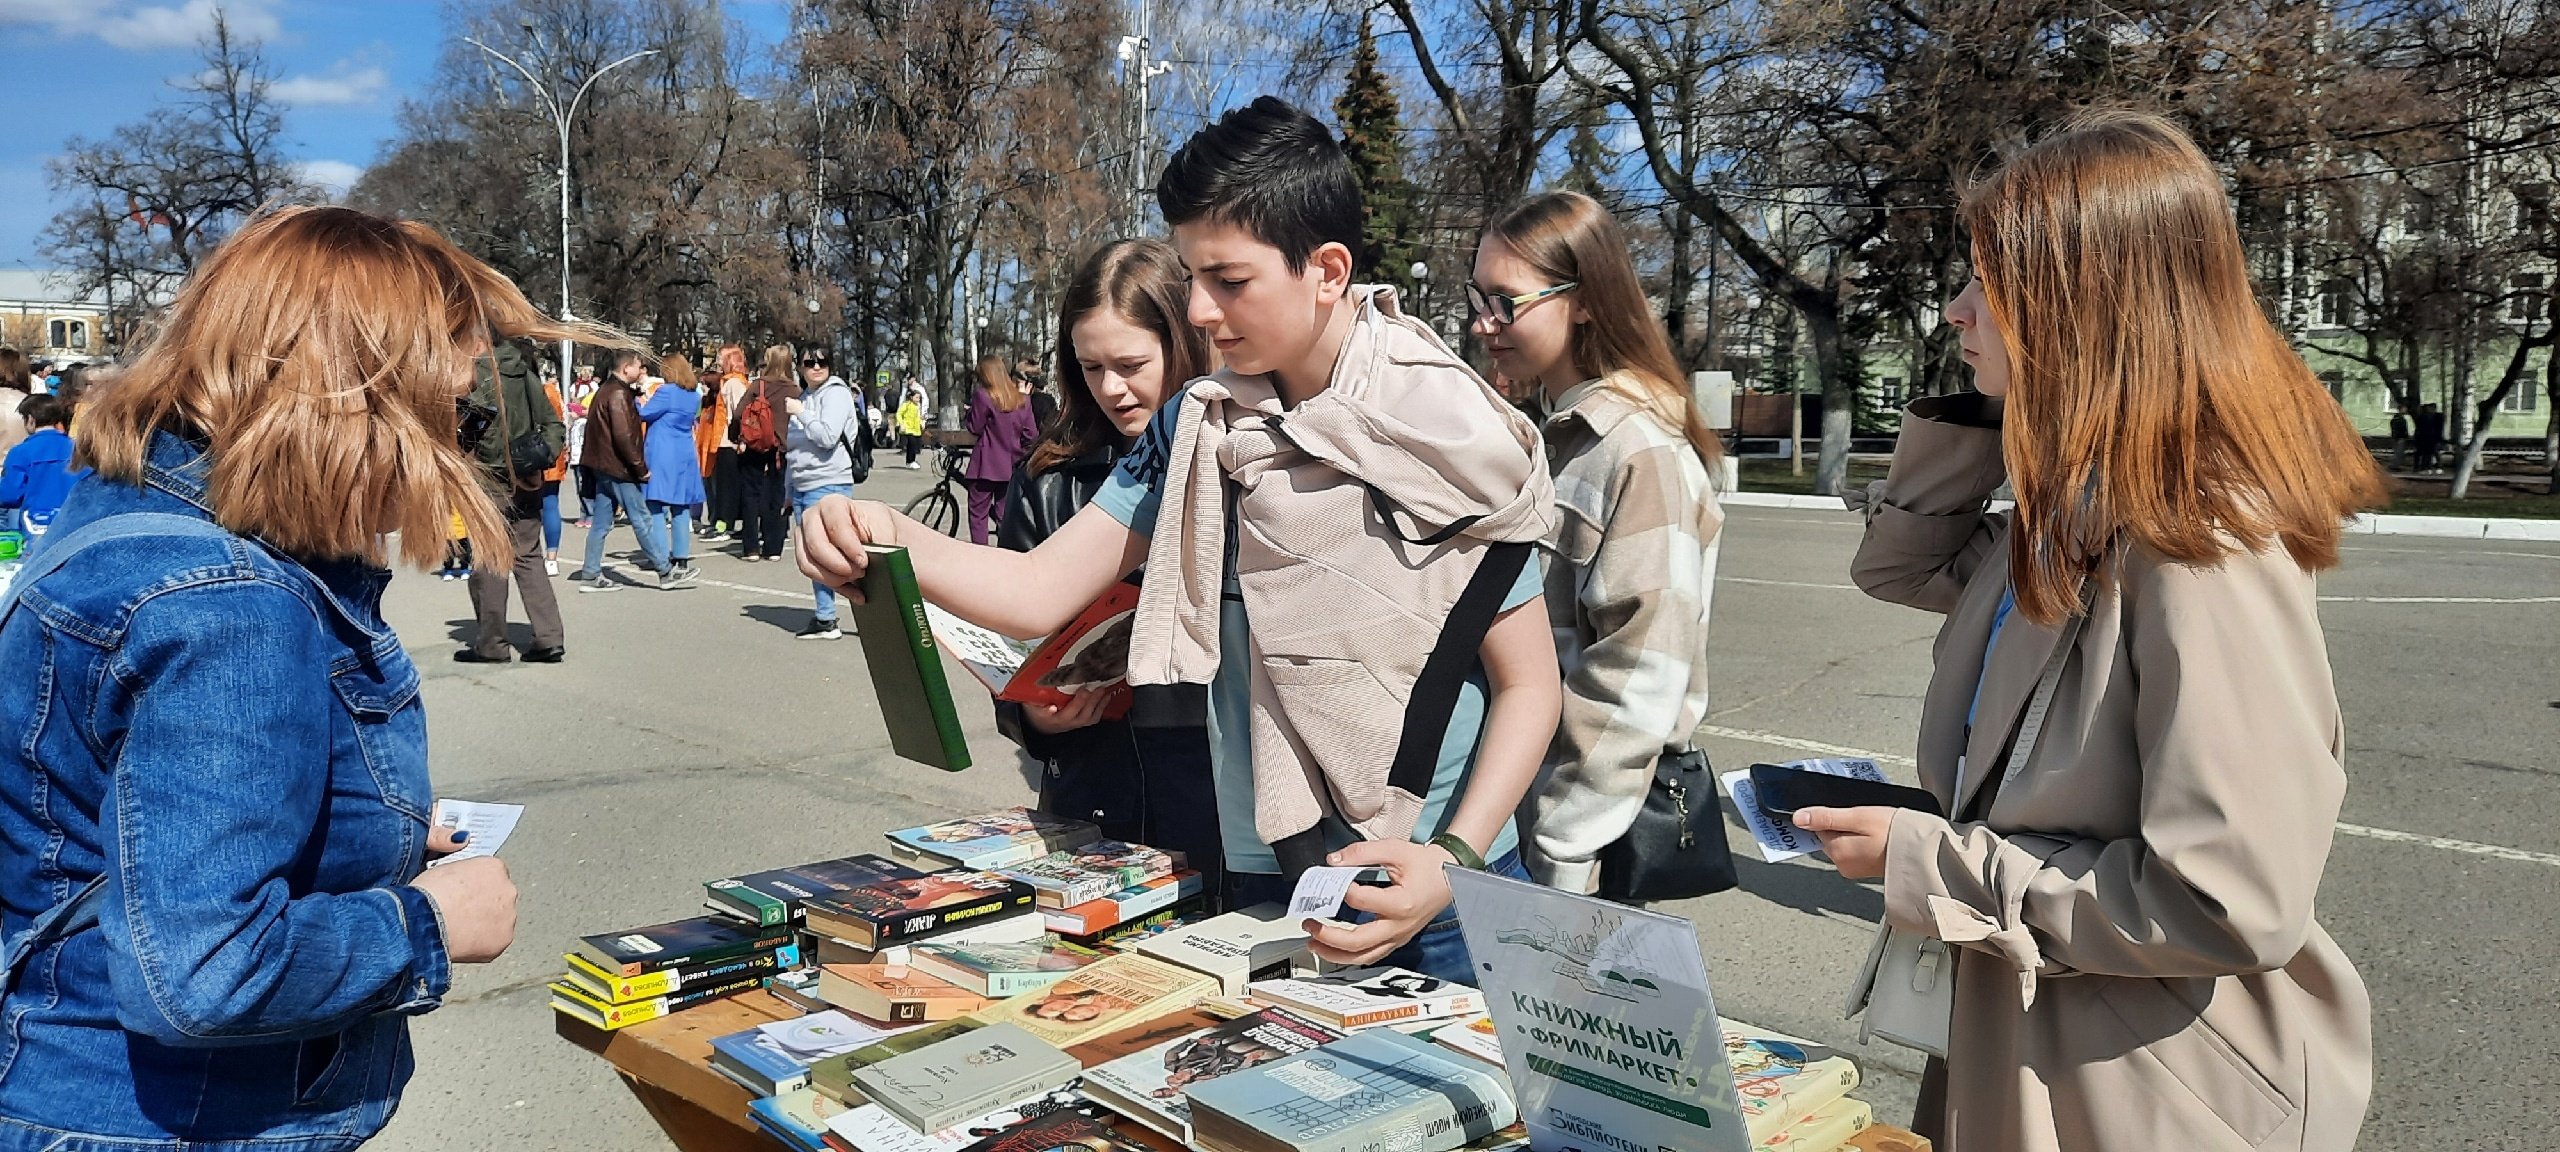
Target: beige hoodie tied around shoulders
x,y
1344,606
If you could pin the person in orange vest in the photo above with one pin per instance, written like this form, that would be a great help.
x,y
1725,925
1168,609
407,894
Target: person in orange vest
x,y
715,436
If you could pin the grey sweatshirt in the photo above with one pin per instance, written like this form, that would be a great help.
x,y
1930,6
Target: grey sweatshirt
x,y
819,440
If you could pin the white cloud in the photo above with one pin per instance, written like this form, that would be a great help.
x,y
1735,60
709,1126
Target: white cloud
x,y
334,175
142,26
342,86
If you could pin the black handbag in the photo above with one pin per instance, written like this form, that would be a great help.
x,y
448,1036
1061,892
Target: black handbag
x,y
1676,848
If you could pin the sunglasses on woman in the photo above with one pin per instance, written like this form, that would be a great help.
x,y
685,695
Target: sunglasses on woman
x,y
1503,309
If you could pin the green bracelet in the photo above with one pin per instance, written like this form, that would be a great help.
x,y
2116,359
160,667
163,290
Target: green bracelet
x,y
1459,850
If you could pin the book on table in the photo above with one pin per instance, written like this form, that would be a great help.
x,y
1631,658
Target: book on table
x,y
1149,1086
1821,1130
1109,1046
871,1128
573,1001
757,1063
798,1118
677,944
1885,1138
991,839
1374,1089
906,664
893,911
1090,654
1001,971
895,993
1474,1036
1097,916
1127,935
616,988
949,1081
1059,1132
1235,947
1781,1078
1102,997
833,1076
1072,876
1356,998
773,897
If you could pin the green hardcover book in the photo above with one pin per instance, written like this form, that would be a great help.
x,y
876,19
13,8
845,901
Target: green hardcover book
x,y
906,664
833,1076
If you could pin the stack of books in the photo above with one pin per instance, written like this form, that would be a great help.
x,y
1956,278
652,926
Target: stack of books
x,y
617,979
1013,982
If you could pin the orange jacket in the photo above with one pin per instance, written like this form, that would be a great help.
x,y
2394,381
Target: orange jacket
x,y
559,468
711,426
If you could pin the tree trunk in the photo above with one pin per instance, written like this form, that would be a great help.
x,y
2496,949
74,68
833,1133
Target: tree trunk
x,y
2485,414
1839,400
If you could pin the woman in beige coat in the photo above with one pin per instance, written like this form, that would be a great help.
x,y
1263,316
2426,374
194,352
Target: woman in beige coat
x,y
2138,966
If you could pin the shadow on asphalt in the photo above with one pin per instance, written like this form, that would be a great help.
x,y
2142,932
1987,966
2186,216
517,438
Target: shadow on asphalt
x,y
790,620
466,632
1814,890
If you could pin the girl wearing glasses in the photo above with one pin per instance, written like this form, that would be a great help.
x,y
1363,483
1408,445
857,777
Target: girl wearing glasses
x,y
1558,305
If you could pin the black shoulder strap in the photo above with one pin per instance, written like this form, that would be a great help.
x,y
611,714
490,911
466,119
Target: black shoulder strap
x,y
1453,656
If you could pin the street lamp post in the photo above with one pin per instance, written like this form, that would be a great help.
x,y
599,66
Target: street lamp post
x,y
560,119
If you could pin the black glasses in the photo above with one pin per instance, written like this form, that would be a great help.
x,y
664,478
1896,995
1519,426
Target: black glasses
x,y
1503,309
813,363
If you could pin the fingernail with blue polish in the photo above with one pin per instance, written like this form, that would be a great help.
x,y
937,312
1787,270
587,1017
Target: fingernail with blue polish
x,y
461,836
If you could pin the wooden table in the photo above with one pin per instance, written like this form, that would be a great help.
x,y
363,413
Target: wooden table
x,y
667,1064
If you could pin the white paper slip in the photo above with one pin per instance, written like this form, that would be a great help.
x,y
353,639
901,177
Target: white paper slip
x,y
1319,892
488,824
822,1034
1781,839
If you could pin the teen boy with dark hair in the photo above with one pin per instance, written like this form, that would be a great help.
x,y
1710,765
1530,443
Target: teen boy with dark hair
x,y
1337,530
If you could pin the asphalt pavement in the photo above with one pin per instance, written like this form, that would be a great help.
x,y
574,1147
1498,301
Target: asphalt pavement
x,y
690,736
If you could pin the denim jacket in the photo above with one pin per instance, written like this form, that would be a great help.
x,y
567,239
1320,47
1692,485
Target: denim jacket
x,y
234,740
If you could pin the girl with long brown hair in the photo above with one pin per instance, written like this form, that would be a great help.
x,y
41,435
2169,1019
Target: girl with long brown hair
x,y
1124,352
216,819
764,491
1001,419
2132,725
1631,565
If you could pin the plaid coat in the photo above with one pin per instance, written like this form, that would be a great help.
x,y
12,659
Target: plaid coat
x,y
1629,582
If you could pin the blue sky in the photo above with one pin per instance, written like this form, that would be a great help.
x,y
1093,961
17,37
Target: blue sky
x,y
81,67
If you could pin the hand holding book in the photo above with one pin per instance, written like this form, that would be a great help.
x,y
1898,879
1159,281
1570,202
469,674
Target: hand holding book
x,y
1083,710
832,535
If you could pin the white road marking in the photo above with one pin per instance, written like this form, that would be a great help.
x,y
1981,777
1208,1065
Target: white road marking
x,y
2469,847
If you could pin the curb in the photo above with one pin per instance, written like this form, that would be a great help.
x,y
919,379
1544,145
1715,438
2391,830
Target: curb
x,y
2385,524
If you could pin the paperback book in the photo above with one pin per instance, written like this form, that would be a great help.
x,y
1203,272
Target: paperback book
x,y
870,1128
944,1083
1781,1078
903,910
906,664
798,1118
1058,1132
1001,971
677,944
1822,1130
617,988
758,1063
1356,998
770,898
1149,1087
992,839
1374,1089
1236,948
1474,1036
1095,917
572,1001
1071,876
895,993
1126,937
833,1076
1090,654
1101,997
1139,1037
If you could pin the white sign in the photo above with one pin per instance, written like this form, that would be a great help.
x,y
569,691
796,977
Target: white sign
x,y
1607,1028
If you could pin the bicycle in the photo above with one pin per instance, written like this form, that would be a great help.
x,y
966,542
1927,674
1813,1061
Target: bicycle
x,y
939,507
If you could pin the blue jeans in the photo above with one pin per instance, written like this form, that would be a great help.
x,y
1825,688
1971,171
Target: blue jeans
x,y
551,518
678,519
1439,950
625,495
800,502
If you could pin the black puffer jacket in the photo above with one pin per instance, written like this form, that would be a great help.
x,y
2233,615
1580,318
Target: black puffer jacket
x,y
1147,778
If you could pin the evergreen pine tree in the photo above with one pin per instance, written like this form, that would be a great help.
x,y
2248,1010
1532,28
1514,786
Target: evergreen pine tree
x,y
1587,163
1390,236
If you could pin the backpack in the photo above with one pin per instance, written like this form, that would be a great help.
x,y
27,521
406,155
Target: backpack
x,y
858,440
758,430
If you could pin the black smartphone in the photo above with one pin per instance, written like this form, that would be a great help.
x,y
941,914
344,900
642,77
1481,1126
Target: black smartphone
x,y
1782,790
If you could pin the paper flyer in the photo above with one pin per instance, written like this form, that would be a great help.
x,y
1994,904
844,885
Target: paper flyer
x,y
1781,839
